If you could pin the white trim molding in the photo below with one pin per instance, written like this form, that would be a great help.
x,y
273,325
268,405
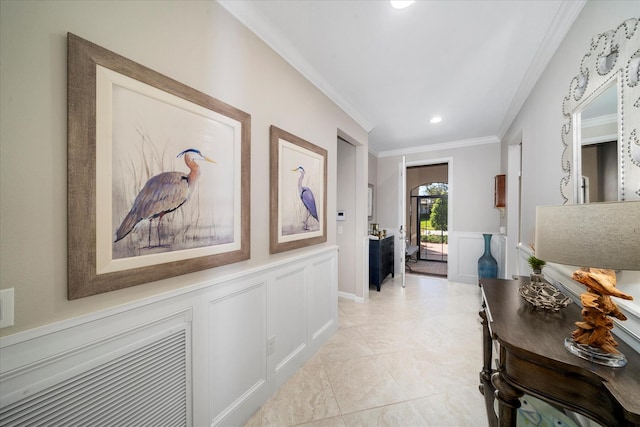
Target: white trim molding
x,y
238,339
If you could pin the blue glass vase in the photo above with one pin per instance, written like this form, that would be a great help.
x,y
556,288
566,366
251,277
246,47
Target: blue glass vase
x,y
487,264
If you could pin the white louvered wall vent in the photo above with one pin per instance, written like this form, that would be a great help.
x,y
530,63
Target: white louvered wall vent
x,y
146,387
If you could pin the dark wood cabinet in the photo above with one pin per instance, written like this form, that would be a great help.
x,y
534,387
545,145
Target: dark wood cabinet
x,y
499,191
532,360
381,262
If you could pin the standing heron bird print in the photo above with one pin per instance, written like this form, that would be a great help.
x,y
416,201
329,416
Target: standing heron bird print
x,y
308,200
163,194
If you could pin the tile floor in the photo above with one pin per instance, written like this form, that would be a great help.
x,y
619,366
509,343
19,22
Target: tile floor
x,y
408,357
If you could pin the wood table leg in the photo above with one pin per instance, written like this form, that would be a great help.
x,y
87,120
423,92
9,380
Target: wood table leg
x,y
486,387
508,400
486,348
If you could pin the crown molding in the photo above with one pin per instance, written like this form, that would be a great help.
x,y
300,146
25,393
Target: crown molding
x,y
441,146
283,47
562,23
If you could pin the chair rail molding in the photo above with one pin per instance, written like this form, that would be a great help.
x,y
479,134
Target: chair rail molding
x,y
275,316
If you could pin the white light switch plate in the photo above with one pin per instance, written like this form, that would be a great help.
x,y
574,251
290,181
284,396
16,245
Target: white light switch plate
x,y
6,308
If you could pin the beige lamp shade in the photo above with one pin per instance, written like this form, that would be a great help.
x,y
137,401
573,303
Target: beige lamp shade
x,y
599,235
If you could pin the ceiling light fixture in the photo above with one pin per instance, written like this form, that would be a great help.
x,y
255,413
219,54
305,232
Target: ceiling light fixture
x,y
435,119
401,4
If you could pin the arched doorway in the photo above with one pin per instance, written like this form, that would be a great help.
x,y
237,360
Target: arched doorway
x,y
427,224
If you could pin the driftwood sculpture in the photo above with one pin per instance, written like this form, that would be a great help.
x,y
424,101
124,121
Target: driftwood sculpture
x,y
595,329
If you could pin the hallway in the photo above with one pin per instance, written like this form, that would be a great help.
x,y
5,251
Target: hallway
x,y
409,357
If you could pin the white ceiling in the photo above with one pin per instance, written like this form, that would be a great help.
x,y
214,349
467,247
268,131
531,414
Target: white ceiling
x,y
471,62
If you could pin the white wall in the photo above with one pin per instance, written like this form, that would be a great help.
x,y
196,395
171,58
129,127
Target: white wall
x,y
539,123
197,43
540,119
471,211
231,313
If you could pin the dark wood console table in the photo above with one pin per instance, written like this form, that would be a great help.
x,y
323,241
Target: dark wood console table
x,y
533,360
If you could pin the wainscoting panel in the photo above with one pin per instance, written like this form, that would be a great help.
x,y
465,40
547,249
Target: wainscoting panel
x,y
464,251
201,355
322,309
237,333
499,252
290,316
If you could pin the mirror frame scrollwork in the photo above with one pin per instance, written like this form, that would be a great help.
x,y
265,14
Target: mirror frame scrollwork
x,y
613,57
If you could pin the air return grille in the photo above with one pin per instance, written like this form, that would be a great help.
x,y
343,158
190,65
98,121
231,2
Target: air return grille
x,y
146,387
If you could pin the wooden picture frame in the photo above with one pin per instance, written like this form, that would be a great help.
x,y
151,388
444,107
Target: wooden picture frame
x,y
298,199
128,124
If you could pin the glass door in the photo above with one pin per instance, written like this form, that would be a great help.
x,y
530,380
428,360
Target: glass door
x,y
431,224
428,229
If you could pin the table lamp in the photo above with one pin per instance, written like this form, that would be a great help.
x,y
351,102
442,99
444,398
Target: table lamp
x,y
602,237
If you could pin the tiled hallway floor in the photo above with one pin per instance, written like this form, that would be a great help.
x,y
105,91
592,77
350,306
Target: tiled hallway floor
x,y
408,357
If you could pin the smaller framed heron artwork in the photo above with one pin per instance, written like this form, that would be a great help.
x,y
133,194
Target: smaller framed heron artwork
x,y
158,175
298,192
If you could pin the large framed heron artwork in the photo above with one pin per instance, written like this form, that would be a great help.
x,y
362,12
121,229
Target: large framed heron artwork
x,y
298,192
158,175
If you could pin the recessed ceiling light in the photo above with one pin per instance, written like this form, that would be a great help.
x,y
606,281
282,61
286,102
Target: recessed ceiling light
x,y
401,4
435,119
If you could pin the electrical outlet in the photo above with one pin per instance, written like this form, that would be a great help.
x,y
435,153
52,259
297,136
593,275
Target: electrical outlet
x,y
6,307
271,346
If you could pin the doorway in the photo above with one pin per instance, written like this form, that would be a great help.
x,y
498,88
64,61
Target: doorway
x,y
431,226
351,229
346,227
428,220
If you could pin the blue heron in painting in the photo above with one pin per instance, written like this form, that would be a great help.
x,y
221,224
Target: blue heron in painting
x,y
163,193
306,195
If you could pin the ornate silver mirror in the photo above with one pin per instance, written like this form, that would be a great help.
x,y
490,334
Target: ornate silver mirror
x,y
601,138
